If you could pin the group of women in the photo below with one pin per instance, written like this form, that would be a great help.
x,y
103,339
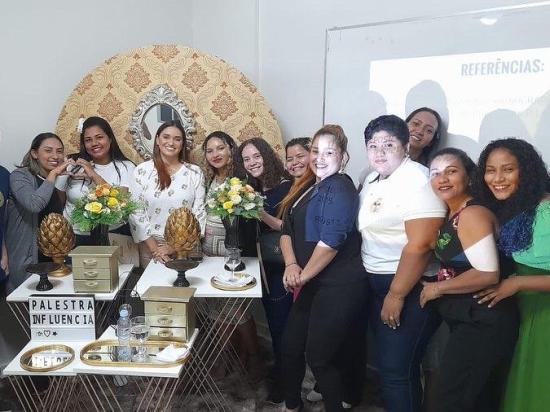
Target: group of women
x,y
428,237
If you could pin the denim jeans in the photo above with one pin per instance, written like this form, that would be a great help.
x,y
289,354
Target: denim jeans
x,y
277,304
399,352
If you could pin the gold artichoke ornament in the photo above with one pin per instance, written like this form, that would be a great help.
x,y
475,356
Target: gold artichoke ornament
x,y
56,239
182,231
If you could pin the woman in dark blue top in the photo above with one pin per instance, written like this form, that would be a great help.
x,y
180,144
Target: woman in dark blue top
x,y
321,249
266,173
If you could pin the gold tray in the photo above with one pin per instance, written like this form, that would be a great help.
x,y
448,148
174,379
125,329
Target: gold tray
x,y
103,353
219,286
26,359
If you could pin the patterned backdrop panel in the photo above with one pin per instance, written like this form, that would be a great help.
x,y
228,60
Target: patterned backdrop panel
x,y
219,97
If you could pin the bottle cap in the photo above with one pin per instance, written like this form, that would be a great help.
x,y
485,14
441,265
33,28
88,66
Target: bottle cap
x,y
124,313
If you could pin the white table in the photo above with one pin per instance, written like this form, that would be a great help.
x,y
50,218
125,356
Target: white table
x,y
61,386
156,274
229,308
18,300
156,385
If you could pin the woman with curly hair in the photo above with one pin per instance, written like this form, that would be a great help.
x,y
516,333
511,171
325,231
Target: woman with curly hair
x,y
266,173
220,152
517,183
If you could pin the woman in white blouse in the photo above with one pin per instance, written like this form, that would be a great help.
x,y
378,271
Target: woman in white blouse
x,y
163,184
99,161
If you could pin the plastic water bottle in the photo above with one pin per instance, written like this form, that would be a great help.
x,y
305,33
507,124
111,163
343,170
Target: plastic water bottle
x,y
123,333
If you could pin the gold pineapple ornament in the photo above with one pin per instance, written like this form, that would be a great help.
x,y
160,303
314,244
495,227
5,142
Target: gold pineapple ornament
x,y
56,239
182,231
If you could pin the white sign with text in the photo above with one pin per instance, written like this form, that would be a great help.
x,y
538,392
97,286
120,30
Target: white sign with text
x,y
62,317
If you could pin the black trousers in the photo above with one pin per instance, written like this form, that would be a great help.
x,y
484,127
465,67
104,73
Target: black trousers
x,y
326,326
477,357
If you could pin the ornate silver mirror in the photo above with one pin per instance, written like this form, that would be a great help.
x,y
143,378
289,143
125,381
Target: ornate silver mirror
x,y
160,105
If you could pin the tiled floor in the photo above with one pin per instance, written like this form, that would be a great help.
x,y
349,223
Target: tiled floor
x,y
237,393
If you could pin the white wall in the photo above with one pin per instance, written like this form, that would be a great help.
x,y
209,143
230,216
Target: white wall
x,y
292,48
46,48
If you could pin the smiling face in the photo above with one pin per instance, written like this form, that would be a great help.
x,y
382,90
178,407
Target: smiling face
x,y
449,178
49,155
218,153
385,153
297,159
501,173
422,129
253,161
326,157
170,143
97,144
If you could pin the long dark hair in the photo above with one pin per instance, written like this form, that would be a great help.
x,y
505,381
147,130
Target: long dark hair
x,y
516,213
162,170
274,170
114,150
236,168
30,162
425,155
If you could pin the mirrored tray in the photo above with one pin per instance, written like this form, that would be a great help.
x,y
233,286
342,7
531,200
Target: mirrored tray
x,y
223,286
104,353
46,358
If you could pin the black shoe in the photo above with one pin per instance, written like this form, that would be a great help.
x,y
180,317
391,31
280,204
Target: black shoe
x,y
275,394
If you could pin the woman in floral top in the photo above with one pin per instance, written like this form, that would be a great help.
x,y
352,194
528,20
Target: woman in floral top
x,y
163,184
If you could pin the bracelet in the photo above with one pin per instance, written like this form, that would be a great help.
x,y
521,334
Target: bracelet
x,y
290,264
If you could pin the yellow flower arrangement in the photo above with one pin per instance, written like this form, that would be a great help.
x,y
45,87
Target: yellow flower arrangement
x,y
103,205
235,198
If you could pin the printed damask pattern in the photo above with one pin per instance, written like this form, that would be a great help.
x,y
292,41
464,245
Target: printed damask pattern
x,y
219,97
195,77
137,78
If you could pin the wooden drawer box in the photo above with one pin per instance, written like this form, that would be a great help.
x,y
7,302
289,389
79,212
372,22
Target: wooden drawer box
x,y
169,311
95,268
165,308
169,333
167,321
97,286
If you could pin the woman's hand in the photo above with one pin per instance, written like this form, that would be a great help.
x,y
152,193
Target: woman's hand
x,y
59,170
291,277
4,264
431,291
163,253
503,290
391,310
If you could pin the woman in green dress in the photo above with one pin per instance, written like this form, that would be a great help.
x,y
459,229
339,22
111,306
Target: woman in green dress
x,y
518,184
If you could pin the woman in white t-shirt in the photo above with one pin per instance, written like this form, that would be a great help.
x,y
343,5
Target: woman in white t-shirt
x,y
163,184
99,161
398,219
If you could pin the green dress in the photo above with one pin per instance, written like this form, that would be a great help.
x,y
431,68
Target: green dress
x,y
528,388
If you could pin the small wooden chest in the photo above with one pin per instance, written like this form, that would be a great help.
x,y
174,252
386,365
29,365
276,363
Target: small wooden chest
x,y
95,268
169,312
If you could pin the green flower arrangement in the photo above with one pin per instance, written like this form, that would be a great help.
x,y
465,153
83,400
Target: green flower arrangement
x,y
103,205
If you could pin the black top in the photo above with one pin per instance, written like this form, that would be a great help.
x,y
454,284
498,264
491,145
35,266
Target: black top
x,y
327,213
